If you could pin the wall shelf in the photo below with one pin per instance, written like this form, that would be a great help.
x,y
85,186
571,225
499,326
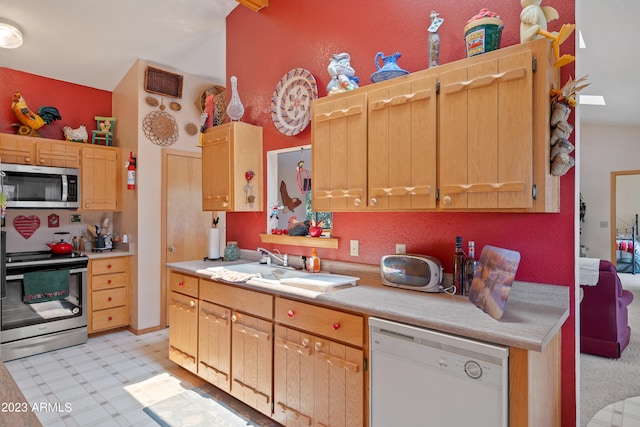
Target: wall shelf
x,y
315,242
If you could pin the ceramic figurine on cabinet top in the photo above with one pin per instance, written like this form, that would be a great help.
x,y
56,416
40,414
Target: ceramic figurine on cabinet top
x,y
343,76
389,67
533,25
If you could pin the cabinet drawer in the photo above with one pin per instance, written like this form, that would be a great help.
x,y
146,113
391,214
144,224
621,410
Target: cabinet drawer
x,y
330,323
111,318
109,265
108,298
250,302
183,284
107,281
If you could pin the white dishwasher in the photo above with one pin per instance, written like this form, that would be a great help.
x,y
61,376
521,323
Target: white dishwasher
x,y
420,377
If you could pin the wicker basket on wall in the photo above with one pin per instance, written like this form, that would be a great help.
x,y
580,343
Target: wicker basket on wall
x,y
219,104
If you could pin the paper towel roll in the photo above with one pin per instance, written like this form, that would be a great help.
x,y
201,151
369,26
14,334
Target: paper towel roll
x,y
214,243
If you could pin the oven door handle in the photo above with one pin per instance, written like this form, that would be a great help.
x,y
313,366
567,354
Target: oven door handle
x,y
21,276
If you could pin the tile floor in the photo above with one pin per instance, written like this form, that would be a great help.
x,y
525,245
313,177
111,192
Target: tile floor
x,y
105,382
625,413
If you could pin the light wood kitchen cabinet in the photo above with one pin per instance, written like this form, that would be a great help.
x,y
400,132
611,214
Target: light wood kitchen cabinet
x,y
17,149
183,320
250,340
101,179
487,135
214,349
339,152
229,151
109,293
317,379
25,150
471,135
402,145
58,154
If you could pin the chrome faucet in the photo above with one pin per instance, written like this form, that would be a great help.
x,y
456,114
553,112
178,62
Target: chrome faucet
x,y
283,258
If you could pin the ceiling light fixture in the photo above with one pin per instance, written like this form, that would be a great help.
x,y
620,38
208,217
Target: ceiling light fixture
x,y
10,35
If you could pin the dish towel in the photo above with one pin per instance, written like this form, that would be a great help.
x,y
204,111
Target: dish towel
x,y
42,286
589,271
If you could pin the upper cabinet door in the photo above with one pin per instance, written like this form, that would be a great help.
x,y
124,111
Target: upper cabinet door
x,y
216,170
229,151
402,145
486,134
339,152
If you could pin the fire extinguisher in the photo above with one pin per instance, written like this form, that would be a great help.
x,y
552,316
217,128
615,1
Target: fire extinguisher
x,y
131,172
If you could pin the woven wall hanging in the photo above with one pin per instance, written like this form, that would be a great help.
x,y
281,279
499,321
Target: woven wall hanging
x,y
160,128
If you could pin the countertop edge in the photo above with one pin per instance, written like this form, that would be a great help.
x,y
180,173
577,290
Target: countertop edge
x,y
534,312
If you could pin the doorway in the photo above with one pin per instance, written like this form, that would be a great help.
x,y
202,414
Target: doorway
x,y
185,226
624,207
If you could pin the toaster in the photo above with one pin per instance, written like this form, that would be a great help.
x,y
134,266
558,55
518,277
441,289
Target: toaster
x,y
409,271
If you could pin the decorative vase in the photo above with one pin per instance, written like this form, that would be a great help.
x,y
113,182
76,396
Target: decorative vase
x,y
389,69
232,251
235,109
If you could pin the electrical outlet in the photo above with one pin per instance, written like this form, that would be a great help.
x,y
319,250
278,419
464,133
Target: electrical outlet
x,y
354,248
401,248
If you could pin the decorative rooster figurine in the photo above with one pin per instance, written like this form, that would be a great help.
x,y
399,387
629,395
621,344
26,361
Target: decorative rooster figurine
x,y
289,202
533,25
30,121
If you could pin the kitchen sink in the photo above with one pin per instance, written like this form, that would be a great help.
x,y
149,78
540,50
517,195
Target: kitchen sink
x,y
286,279
270,272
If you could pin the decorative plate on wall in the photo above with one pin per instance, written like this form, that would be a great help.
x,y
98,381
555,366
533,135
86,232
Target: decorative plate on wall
x,y
291,101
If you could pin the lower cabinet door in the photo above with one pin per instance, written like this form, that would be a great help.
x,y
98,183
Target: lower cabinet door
x,y
251,356
214,349
293,372
316,381
183,330
339,386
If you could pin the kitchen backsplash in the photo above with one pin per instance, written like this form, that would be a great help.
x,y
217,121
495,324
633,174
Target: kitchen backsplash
x,y
17,241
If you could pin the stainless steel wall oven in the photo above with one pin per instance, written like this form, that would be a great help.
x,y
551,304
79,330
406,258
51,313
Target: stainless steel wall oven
x,y
45,307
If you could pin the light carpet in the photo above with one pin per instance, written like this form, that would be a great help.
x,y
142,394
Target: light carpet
x,y
605,381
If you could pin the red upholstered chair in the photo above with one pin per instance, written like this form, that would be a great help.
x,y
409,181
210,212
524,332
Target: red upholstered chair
x,y
604,326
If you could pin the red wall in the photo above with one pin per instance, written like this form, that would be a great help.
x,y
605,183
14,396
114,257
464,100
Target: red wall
x,y
77,104
262,47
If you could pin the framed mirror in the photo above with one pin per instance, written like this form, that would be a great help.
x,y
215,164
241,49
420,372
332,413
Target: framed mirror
x,y
290,191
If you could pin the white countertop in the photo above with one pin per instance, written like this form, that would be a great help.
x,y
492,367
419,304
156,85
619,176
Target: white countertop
x,y
533,313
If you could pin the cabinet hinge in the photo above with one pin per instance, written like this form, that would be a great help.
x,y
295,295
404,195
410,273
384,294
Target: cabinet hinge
x,y
365,365
437,194
534,192
534,64
438,87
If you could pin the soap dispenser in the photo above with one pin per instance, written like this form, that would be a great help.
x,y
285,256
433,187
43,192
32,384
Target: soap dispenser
x,y
314,261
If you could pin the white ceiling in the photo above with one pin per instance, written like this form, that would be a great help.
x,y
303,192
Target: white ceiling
x,y
94,43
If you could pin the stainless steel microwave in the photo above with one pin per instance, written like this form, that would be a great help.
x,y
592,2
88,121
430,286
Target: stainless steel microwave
x,y
40,187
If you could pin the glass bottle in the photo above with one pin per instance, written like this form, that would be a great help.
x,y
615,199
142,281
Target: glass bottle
x,y
232,251
433,46
235,109
458,267
470,267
